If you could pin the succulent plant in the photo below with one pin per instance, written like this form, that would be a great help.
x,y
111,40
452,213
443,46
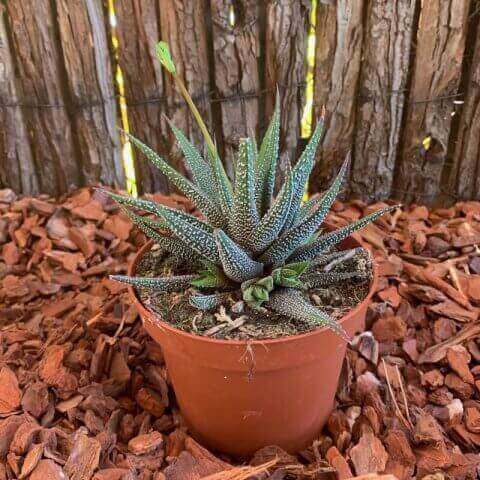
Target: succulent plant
x,y
267,248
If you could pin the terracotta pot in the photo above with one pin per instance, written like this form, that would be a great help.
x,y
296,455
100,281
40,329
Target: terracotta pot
x,y
239,396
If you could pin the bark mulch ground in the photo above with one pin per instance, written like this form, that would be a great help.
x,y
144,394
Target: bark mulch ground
x,y
84,392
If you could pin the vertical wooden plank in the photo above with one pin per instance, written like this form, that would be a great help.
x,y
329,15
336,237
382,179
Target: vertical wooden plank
x,y
137,32
440,46
285,67
465,173
381,96
236,51
325,42
339,35
183,25
17,170
91,90
35,48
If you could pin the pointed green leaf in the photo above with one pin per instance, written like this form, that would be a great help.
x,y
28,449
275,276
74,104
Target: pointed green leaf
x,y
272,223
266,282
236,262
207,302
292,303
283,247
197,196
244,217
164,284
141,204
255,292
163,53
323,243
210,276
301,172
307,208
260,293
168,243
193,233
322,260
140,220
201,171
190,230
288,276
267,161
222,183
247,294
297,267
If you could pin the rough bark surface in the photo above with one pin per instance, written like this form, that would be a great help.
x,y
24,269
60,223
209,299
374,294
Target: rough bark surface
x,y
236,50
36,49
17,169
339,51
325,41
381,96
183,26
91,93
285,67
137,32
440,47
465,174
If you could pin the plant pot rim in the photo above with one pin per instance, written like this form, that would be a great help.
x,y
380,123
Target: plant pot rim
x,y
145,312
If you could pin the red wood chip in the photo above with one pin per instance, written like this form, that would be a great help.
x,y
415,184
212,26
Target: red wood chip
x,y
119,226
146,443
369,455
85,393
458,358
10,393
389,329
10,253
47,469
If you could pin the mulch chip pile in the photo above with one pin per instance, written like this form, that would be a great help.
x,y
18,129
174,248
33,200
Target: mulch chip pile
x,y
85,394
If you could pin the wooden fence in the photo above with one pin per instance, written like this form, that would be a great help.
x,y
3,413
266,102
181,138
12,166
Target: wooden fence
x,y
399,82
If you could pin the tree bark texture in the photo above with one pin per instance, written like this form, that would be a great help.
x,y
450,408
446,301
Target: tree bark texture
x,y
437,69
183,25
138,32
386,76
90,90
381,96
17,169
285,67
339,50
465,174
36,48
236,50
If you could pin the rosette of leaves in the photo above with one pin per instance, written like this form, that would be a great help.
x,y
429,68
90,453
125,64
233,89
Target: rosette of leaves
x,y
248,240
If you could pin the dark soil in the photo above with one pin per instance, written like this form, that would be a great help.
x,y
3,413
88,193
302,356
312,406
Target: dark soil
x,y
174,308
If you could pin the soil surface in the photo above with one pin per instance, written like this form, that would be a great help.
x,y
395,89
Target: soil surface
x,y
85,393
337,300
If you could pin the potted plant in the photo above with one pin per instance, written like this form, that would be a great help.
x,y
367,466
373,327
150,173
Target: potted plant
x,y
213,291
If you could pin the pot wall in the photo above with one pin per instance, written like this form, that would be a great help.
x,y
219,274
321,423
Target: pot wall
x,y
238,396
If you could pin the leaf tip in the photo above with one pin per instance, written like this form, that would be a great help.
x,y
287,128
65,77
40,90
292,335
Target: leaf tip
x,y
163,53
